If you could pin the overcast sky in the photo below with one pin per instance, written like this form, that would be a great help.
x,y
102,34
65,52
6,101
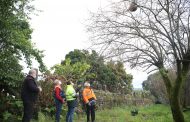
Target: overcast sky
x,y
59,29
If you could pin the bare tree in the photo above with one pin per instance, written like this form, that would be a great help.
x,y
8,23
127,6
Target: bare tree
x,y
156,36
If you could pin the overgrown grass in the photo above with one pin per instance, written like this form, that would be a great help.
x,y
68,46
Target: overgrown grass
x,y
151,113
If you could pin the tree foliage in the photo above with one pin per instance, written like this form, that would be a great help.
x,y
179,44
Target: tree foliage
x,y
71,71
110,74
15,42
15,47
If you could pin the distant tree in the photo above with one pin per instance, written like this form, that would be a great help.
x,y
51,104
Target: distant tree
x,y
155,85
75,56
121,77
154,36
71,71
108,74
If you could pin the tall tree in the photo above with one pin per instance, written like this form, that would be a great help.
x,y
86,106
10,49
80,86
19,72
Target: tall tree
x,y
154,37
111,74
15,47
15,42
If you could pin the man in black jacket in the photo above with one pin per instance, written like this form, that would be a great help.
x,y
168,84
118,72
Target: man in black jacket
x,y
29,95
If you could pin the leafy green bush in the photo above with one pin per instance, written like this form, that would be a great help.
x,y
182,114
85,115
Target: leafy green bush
x,y
46,102
11,108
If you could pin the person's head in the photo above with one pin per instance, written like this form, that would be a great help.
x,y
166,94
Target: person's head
x,y
70,83
86,84
57,82
32,73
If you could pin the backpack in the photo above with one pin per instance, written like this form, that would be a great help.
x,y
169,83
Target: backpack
x,y
62,94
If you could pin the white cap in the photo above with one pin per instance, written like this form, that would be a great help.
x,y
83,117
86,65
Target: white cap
x,y
87,84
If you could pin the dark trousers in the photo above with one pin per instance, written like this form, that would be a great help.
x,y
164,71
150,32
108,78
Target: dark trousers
x,y
28,111
90,110
58,111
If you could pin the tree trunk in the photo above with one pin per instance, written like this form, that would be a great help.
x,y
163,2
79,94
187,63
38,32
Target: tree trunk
x,y
185,94
176,108
173,91
174,96
187,91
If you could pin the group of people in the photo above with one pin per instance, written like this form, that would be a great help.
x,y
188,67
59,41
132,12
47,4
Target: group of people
x,y
30,91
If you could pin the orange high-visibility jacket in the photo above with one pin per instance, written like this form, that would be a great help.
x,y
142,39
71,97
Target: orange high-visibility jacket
x,y
88,94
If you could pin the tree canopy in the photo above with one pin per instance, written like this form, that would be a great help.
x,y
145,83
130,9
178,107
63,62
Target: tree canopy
x,y
16,48
15,42
84,65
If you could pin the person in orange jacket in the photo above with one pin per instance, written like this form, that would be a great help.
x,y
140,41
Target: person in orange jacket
x,y
90,100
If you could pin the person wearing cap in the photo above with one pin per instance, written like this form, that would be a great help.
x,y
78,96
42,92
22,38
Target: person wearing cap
x,y
59,99
71,101
90,100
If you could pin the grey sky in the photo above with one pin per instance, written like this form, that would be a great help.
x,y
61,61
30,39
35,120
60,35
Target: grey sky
x,y
58,29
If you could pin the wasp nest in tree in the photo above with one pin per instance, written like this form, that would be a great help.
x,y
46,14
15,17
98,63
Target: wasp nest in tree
x,y
132,7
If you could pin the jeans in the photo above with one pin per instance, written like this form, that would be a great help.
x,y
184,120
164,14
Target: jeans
x,y
58,110
70,114
28,111
90,110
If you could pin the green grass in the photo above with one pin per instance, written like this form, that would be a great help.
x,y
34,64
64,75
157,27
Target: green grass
x,y
152,113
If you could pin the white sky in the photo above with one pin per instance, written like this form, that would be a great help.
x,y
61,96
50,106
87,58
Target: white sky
x,y
58,29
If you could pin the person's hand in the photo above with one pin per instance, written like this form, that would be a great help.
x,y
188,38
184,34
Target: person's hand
x,y
39,87
94,101
63,101
89,103
77,94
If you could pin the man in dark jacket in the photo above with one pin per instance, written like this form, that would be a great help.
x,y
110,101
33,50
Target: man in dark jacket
x,y
29,95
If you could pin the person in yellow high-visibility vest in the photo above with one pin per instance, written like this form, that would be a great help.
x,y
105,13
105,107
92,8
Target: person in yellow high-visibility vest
x,y
90,100
71,101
